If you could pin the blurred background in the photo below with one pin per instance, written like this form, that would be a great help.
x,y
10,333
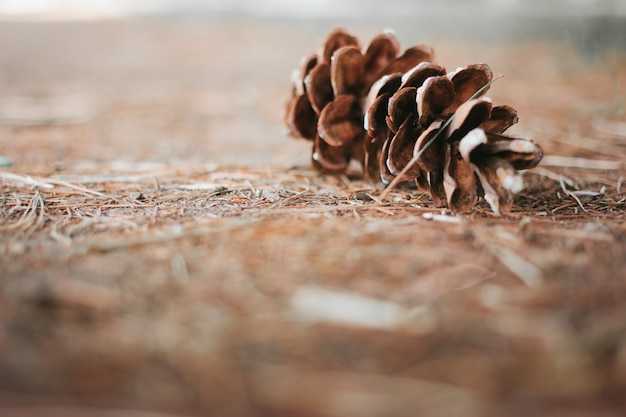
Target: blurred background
x,y
585,21
318,8
207,80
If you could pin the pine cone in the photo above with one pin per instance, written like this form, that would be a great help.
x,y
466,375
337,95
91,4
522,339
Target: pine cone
x,y
329,91
455,135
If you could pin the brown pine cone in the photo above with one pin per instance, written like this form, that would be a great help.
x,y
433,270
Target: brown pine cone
x,y
329,92
455,136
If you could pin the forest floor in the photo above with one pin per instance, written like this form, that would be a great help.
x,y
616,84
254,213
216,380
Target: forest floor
x,y
166,250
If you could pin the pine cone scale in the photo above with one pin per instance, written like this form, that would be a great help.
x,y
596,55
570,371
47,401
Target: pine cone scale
x,y
436,185
431,157
346,71
459,181
467,82
410,58
379,54
521,153
416,76
318,87
301,118
468,117
500,119
335,40
401,148
402,105
499,181
433,97
340,122
329,159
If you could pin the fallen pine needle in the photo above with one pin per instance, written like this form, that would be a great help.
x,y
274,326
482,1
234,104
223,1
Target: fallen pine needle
x,y
441,218
75,187
574,196
25,180
158,236
527,272
313,304
583,163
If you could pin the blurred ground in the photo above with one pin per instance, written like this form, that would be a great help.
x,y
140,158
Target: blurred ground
x,y
164,248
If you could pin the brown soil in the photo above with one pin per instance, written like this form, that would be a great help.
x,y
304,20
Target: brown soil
x,y
164,248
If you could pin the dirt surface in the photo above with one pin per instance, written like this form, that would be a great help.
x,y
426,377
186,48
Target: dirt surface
x,y
166,250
